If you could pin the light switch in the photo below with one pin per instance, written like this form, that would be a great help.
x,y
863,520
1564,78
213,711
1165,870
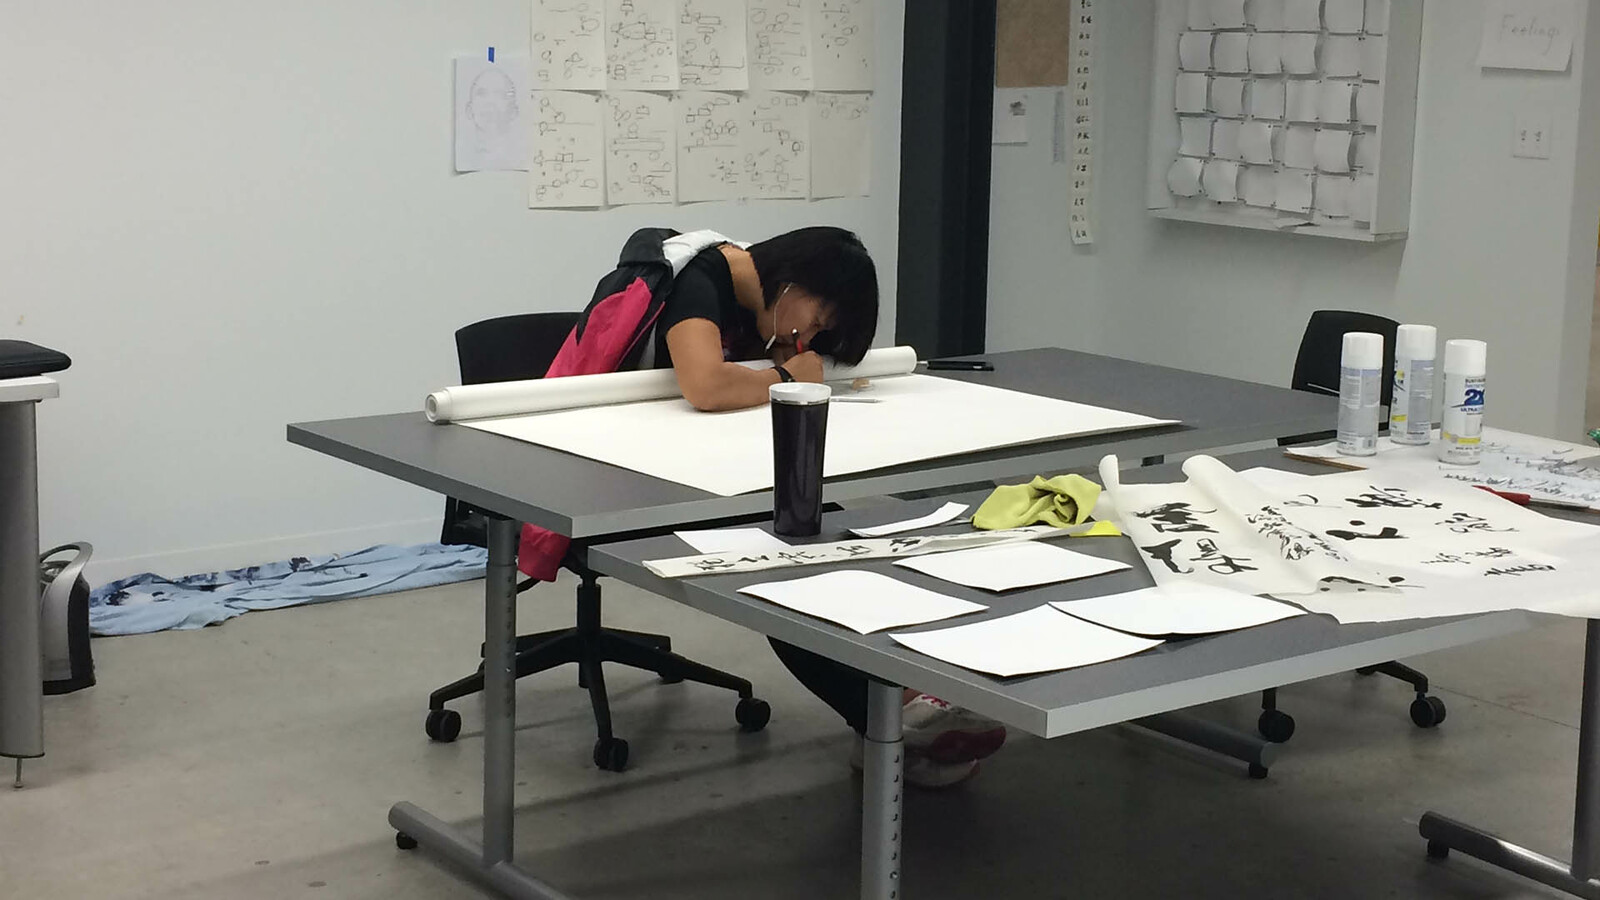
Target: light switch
x,y
1531,137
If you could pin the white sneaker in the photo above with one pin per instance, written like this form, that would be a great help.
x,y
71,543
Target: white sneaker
x,y
918,770
948,734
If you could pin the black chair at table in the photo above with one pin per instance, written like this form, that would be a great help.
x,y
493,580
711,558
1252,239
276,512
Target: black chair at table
x,y
518,348
1316,369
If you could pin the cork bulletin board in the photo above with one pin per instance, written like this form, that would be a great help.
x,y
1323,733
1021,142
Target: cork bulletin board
x,y
1032,42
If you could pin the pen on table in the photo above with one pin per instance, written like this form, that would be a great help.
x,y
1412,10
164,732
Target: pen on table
x,y
959,365
1522,499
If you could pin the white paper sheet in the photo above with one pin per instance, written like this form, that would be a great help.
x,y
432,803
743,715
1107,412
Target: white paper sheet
x,y
1231,52
1300,147
777,146
1265,54
1010,116
779,32
1194,134
1302,15
1194,50
641,148
710,146
1528,34
1027,643
1183,178
840,161
1227,96
1258,186
1374,57
863,602
1199,16
1227,13
568,45
946,513
1344,16
567,165
1220,179
1294,190
1369,104
1012,566
1367,146
1265,15
842,45
1338,102
1225,139
1377,17
491,107
1255,144
1267,98
1332,150
918,417
1341,56
642,45
712,46
1363,197
1191,92
851,551
732,540
1179,609
1333,195
1300,53
1303,100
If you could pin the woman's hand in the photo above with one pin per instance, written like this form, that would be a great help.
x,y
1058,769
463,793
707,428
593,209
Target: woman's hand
x,y
805,366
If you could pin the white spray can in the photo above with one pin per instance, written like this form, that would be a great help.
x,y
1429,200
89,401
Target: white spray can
x,y
1465,383
1411,411
1360,384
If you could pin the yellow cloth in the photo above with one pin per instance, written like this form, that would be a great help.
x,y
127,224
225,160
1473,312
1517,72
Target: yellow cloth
x,y
1062,501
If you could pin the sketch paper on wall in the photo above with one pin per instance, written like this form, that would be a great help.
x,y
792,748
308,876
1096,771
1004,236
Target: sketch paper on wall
x,y
568,45
642,45
711,45
711,130
779,35
491,101
840,162
567,165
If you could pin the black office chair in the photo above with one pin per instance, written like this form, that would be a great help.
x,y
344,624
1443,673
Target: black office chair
x,y
516,348
1316,369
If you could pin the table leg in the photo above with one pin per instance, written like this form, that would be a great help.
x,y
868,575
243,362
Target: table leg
x,y
881,792
488,863
1579,879
21,666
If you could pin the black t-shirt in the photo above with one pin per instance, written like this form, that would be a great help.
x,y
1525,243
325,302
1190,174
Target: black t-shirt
x,y
704,290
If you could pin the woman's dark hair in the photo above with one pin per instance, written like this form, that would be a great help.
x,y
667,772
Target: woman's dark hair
x,y
832,264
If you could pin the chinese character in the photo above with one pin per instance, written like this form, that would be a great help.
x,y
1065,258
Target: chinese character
x,y
1462,523
1177,517
1392,498
1388,533
1164,554
1220,562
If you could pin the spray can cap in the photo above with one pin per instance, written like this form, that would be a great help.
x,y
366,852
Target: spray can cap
x,y
1466,357
1362,350
1416,342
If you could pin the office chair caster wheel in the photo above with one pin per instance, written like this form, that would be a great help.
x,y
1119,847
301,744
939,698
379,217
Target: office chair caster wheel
x,y
611,754
1275,725
753,714
1258,771
404,841
442,725
1438,850
1427,712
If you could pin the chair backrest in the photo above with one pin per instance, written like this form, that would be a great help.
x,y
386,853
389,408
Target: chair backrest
x,y
508,348
1316,368
512,348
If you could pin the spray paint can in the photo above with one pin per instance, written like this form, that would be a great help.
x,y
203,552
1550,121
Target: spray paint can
x,y
1465,385
1360,386
1411,410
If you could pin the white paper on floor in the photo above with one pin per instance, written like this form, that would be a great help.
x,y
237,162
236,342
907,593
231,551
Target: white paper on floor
x,y
1012,566
1178,609
862,601
1039,640
945,513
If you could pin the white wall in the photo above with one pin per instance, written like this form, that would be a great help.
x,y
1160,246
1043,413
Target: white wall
x,y
239,215
1500,249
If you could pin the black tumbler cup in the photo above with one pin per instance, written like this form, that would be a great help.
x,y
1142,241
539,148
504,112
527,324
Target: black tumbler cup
x,y
799,433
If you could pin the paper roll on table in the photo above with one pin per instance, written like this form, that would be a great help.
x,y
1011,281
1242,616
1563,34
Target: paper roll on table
x,y
514,398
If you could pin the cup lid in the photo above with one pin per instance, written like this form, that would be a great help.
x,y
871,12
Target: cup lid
x,y
799,393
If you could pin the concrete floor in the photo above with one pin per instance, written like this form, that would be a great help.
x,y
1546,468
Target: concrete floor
x,y
258,760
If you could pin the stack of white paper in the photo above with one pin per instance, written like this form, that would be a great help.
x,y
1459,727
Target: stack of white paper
x,y
943,514
732,540
1178,609
862,601
1039,640
1012,566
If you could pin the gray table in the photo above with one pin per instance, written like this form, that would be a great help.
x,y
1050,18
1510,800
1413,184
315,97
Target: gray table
x,y
21,666
591,501
1175,675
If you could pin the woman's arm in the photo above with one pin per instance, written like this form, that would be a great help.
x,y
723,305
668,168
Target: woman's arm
x,y
711,384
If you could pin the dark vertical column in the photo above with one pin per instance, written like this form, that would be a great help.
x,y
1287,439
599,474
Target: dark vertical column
x,y
946,118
